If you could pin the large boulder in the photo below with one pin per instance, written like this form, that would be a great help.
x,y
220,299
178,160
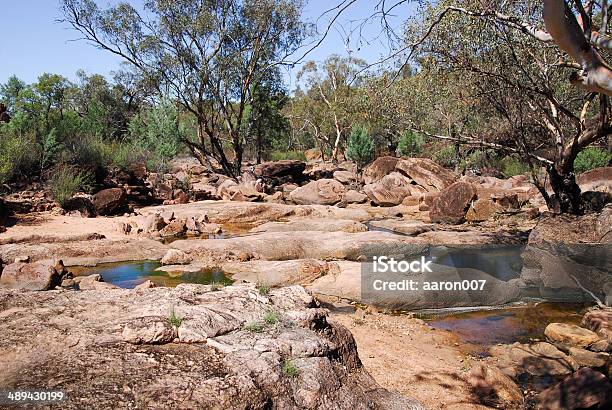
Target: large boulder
x,y
390,190
82,205
599,321
453,203
320,192
279,169
493,387
346,177
585,389
426,173
250,191
570,335
379,168
110,201
198,348
535,359
598,179
41,275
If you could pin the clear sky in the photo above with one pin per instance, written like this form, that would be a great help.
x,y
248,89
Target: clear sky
x,y
32,41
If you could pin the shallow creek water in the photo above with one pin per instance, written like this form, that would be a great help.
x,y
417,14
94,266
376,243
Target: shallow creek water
x,y
130,274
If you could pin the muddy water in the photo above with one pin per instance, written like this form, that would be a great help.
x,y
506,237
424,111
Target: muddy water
x,y
522,323
130,274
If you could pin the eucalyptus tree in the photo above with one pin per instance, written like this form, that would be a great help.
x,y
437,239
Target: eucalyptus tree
x,y
207,54
514,71
330,85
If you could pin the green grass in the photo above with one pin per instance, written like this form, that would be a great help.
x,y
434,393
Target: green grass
x,y
271,317
289,368
255,327
264,288
174,319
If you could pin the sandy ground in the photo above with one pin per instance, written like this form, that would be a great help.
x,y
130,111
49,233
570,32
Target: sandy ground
x,y
406,355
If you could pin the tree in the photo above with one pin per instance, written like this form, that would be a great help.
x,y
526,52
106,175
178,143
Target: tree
x,y
207,54
330,87
360,147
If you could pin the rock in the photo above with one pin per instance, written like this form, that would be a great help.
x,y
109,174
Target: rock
x,y
93,282
599,321
176,257
22,259
278,273
601,346
192,225
40,275
379,168
202,191
82,204
585,389
320,192
355,197
252,191
174,228
124,227
346,177
313,224
453,203
570,335
180,197
493,387
585,358
536,359
232,366
312,154
595,201
149,330
390,190
110,201
321,170
598,179
147,284
426,173
278,169
167,216
153,223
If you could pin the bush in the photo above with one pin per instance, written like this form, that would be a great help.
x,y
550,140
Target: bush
x,y
289,368
282,155
66,182
410,144
591,158
511,166
446,157
19,156
360,147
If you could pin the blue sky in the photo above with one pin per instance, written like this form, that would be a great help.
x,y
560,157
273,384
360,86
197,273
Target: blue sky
x,y
33,41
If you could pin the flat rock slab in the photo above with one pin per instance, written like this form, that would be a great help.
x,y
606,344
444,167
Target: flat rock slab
x,y
278,273
537,359
302,245
186,347
584,389
312,224
571,335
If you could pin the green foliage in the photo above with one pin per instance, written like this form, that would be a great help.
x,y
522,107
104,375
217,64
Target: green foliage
x,y
255,327
289,368
271,317
360,146
446,156
512,166
591,158
282,155
174,319
68,181
18,155
410,144
263,288
49,148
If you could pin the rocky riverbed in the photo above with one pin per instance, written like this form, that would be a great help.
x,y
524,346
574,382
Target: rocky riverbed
x,y
265,341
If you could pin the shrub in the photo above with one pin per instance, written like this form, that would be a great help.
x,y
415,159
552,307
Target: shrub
x,y
282,155
271,317
446,156
360,147
18,156
511,166
591,158
263,288
254,327
410,144
49,148
174,319
289,368
66,182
